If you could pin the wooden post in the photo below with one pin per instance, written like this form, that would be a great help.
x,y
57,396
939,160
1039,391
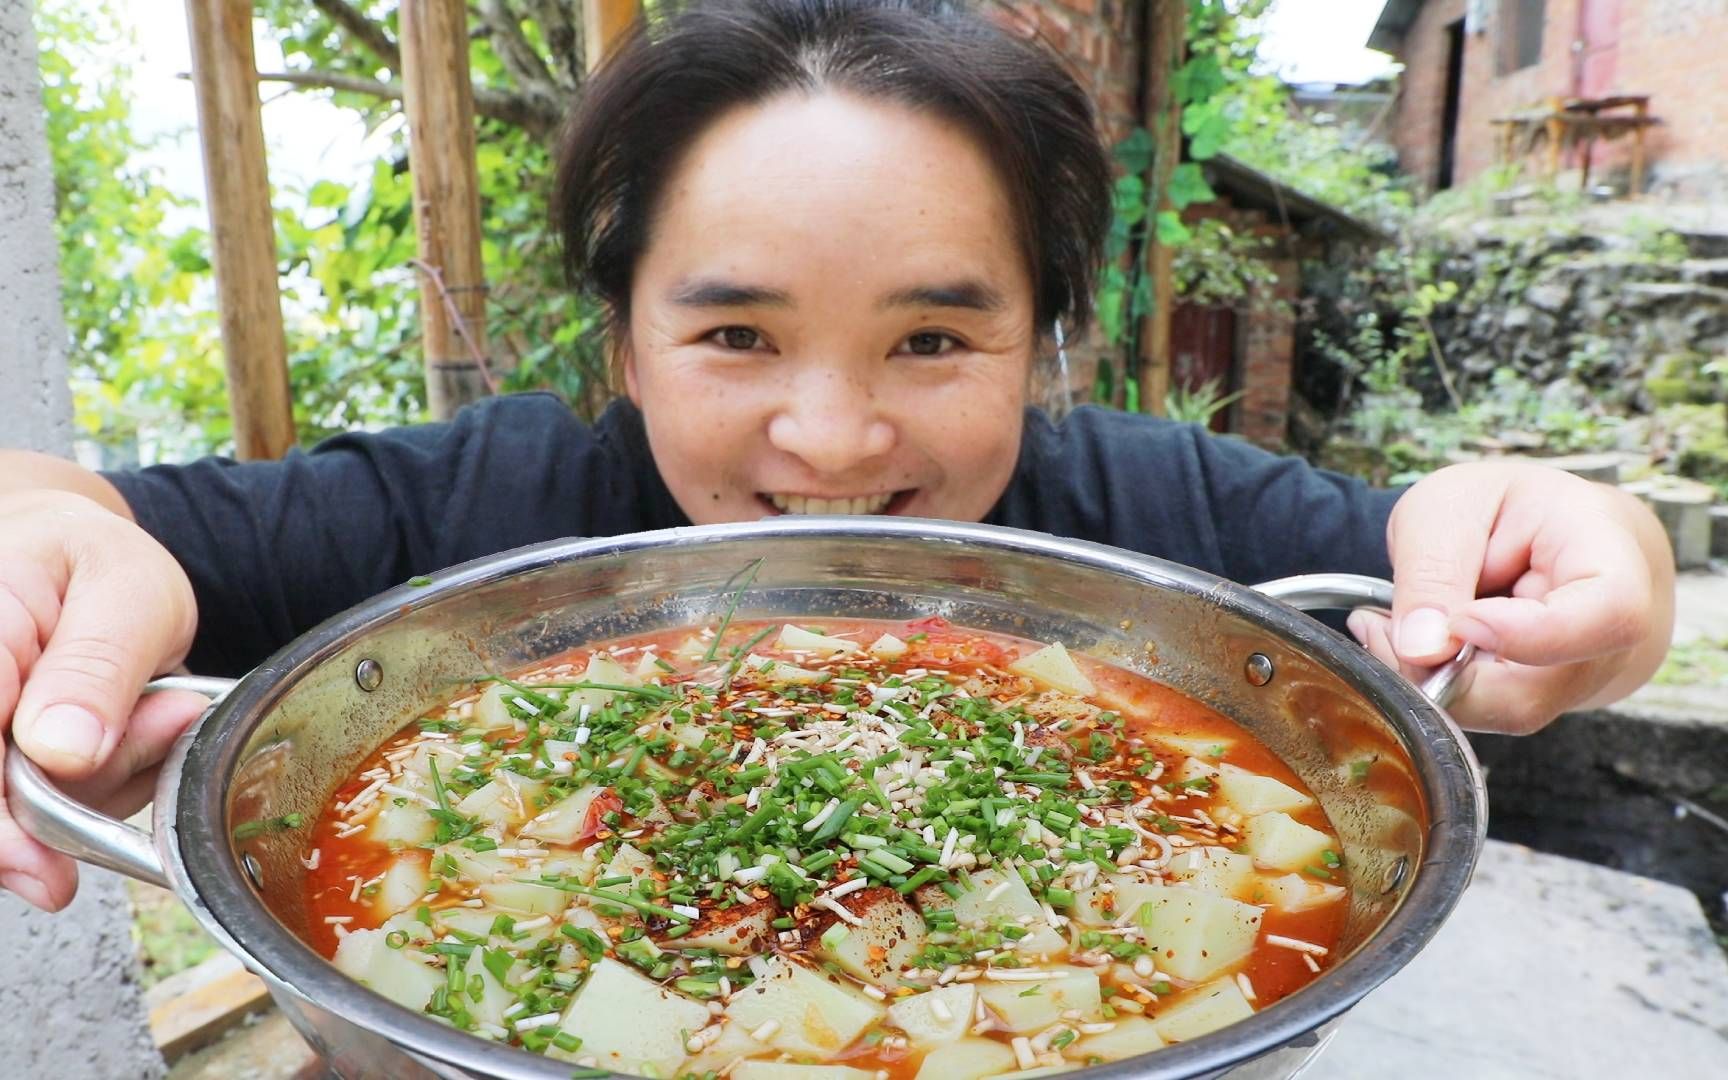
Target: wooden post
x,y
1642,110
242,229
603,21
439,100
1165,47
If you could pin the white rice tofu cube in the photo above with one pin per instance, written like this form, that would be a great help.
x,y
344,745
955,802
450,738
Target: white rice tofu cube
x,y
1196,934
887,647
734,1043
797,639
1212,869
396,973
784,1070
967,1059
1250,793
564,820
1026,1006
1293,892
803,1012
493,999
891,934
409,825
1053,667
735,931
1112,901
628,1023
1208,748
1279,842
525,898
404,884
936,1016
1131,1037
1203,1009
506,799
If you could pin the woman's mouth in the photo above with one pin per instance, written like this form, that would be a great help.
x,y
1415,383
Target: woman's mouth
x,y
883,503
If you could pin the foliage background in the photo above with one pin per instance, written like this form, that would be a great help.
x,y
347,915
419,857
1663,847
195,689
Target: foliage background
x,y
139,296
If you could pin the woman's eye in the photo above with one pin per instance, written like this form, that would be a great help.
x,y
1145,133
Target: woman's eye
x,y
741,338
929,343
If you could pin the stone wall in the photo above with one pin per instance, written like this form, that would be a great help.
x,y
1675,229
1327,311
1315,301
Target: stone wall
x,y
1612,318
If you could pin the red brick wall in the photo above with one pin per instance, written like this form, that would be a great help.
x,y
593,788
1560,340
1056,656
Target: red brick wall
x,y
1100,40
1668,49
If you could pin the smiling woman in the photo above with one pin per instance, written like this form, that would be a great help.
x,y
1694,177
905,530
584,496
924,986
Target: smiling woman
x,y
844,227
832,236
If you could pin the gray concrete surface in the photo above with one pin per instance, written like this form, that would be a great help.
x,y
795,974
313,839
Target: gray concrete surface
x,y
1550,969
69,1000
35,404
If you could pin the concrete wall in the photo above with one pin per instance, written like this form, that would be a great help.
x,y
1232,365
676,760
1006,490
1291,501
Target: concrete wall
x,y
1668,49
69,1000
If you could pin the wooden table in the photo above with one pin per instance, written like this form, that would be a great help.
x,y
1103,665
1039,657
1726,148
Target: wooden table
x,y
1569,122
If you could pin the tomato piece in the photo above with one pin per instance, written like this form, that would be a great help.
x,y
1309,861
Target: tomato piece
x,y
604,803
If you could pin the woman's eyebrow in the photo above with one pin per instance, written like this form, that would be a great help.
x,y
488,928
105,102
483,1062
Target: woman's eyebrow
x,y
972,294
710,292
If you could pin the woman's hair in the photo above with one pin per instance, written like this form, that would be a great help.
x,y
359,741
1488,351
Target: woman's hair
x,y
678,70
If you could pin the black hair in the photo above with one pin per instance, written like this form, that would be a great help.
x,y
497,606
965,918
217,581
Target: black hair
x,y
679,69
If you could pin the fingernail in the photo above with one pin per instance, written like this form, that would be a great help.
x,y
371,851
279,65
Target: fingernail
x,y
26,887
1358,624
68,730
1423,632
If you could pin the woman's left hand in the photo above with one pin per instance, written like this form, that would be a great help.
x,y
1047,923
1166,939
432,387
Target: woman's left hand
x,y
1566,587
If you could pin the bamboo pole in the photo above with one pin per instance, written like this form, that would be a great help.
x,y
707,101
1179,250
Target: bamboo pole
x,y
439,101
602,23
1165,45
242,231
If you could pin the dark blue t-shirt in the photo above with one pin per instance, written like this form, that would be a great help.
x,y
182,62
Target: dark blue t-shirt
x,y
274,548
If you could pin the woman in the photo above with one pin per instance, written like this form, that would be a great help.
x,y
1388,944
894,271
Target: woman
x,y
832,237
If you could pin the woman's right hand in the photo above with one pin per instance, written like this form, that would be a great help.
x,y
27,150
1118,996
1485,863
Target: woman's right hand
x,y
91,608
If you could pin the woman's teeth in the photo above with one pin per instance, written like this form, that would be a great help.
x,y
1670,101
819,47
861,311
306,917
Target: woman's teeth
x,y
862,504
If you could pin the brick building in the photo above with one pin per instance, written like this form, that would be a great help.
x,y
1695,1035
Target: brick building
x,y
1468,62
1250,348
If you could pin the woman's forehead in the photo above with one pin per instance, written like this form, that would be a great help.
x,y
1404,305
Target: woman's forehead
x,y
833,184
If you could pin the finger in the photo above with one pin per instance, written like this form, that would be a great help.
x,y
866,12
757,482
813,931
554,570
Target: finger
x,y
29,870
1509,698
1374,631
1578,621
118,625
154,725
28,604
1438,539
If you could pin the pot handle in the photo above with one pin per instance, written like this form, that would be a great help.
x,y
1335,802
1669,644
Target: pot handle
x,y
66,825
1320,592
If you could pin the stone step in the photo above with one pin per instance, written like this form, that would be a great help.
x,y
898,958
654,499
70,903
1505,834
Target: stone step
x,y
1550,969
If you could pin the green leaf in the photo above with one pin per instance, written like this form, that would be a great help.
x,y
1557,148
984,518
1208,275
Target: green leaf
x,y
1170,230
1136,153
326,195
1188,186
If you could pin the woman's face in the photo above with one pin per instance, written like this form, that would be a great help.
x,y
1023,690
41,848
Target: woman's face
x,y
832,315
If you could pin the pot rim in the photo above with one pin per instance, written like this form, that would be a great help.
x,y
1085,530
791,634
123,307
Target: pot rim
x,y
192,797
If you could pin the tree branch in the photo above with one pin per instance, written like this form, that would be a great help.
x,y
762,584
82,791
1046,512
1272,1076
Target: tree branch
x,y
561,24
534,115
368,33
516,53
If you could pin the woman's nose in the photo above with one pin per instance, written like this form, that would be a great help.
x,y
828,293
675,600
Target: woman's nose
x,y
831,422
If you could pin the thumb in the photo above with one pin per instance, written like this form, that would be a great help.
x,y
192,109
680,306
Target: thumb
x,y
121,621
1439,540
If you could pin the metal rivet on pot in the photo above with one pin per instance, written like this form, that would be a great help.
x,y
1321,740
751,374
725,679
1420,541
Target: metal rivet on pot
x,y
1395,874
1259,669
369,674
253,871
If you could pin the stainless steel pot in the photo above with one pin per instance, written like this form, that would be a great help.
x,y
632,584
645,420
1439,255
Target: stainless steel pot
x,y
281,739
